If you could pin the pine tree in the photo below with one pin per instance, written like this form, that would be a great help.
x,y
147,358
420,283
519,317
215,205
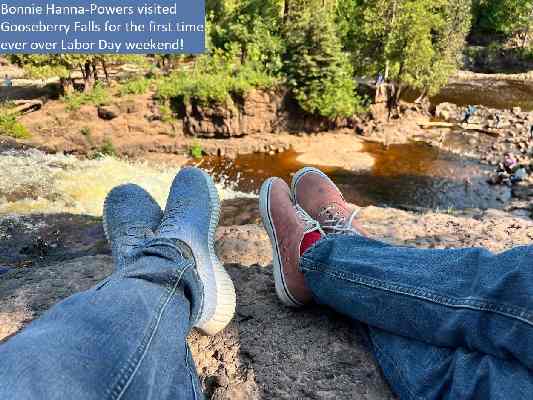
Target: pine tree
x,y
319,73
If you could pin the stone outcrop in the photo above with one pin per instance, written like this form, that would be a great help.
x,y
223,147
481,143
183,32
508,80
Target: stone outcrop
x,y
492,132
108,113
258,112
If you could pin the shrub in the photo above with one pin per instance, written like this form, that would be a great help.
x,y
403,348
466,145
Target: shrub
x,y
214,79
9,125
85,131
98,96
166,113
135,86
196,151
107,149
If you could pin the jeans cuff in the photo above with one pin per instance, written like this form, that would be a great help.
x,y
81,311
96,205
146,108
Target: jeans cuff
x,y
172,249
308,255
173,254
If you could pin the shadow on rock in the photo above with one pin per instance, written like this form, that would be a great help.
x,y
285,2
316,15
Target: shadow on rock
x,y
44,238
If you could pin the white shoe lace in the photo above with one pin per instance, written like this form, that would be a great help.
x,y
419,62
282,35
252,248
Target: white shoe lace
x,y
310,225
337,223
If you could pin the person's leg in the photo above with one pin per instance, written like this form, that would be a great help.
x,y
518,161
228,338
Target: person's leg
x,y
415,369
453,298
125,338
418,370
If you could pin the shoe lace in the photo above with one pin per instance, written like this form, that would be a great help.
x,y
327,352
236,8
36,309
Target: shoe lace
x,y
310,225
168,222
137,233
337,222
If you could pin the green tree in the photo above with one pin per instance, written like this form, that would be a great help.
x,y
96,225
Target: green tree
x,y
319,73
507,17
44,66
255,27
414,43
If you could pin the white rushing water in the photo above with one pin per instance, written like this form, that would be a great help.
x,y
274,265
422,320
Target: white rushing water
x,y
32,182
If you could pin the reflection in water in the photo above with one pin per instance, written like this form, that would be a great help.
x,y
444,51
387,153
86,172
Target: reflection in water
x,y
407,175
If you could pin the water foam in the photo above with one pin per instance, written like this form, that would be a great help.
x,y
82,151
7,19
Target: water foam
x,y
32,182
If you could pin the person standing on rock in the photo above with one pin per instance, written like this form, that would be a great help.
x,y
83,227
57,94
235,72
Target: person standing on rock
x,y
7,81
469,113
498,119
443,324
126,337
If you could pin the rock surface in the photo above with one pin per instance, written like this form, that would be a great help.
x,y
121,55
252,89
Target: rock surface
x,y
257,112
268,351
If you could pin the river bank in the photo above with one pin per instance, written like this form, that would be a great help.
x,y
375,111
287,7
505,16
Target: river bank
x,y
135,128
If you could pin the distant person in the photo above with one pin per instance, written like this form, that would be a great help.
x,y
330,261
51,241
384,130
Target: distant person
x,y
509,163
498,119
509,171
530,132
7,81
380,82
469,113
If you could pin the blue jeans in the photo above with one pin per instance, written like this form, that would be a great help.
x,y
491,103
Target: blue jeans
x,y
443,324
123,339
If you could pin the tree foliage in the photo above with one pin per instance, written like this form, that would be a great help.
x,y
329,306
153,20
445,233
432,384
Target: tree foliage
x,y
318,71
317,48
415,43
254,28
44,66
508,17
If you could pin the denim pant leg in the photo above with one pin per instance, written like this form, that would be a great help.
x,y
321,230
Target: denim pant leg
x,y
420,371
123,339
458,298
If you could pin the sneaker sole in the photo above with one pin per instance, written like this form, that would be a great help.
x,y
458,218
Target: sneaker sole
x,y
310,170
223,301
279,280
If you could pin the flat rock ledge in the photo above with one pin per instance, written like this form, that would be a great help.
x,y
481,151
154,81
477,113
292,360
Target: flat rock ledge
x,y
270,351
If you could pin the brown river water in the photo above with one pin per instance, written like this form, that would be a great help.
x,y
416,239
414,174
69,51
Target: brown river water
x,y
407,175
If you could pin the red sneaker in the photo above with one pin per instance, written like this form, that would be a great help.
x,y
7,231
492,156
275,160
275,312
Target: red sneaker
x,y
286,225
316,193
